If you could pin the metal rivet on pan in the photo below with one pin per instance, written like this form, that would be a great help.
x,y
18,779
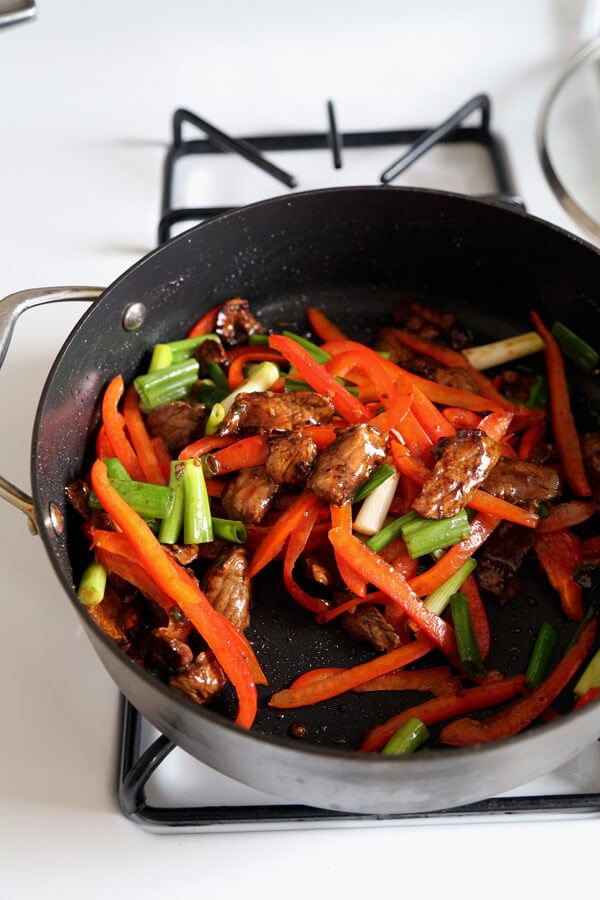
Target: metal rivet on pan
x,y
134,316
57,519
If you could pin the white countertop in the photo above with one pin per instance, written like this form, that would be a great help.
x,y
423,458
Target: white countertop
x,y
87,94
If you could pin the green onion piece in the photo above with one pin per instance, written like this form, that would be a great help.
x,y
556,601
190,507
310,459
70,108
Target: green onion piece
x,y
186,348
172,523
257,339
374,510
384,353
229,530
197,522
576,348
591,611
590,677
501,352
218,376
116,470
263,377
543,511
423,536
151,501
408,738
466,642
317,354
217,414
538,394
439,599
92,585
391,531
206,391
380,475
161,357
545,645
165,385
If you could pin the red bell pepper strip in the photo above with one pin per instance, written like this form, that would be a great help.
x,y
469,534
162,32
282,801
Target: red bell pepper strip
x,y
566,515
163,456
466,732
531,438
244,454
206,324
560,555
437,680
563,423
236,370
323,327
351,604
320,380
104,448
341,517
496,425
114,426
416,440
205,445
591,694
326,688
437,393
461,418
376,571
431,420
176,583
321,435
369,363
481,528
296,543
141,440
274,541
590,551
446,707
448,357
481,626
314,675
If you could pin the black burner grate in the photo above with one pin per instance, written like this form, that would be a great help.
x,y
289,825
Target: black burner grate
x,y
136,766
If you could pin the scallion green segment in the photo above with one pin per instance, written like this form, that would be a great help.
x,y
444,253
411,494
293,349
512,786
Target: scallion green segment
x,y
317,354
218,376
257,339
217,414
538,394
229,530
151,501
439,599
187,347
408,738
172,523
578,350
116,469
166,385
590,677
380,475
162,358
92,585
206,391
466,641
423,536
545,645
391,531
197,521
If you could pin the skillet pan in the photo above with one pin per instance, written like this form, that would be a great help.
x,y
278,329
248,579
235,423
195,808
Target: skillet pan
x,y
353,252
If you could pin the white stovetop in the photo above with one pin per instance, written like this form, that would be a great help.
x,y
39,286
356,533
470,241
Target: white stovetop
x,y
87,94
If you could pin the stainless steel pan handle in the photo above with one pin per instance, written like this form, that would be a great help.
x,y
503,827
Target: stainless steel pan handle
x,y
11,308
14,11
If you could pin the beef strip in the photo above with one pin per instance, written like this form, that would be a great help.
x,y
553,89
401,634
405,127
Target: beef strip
x,y
499,562
227,586
163,652
518,481
108,615
209,351
456,377
265,412
249,495
342,468
387,341
235,322
320,570
367,623
431,324
291,459
465,462
178,423
202,680
590,448
183,553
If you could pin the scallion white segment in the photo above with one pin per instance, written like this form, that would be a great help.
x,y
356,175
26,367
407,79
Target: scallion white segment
x,y
500,352
372,514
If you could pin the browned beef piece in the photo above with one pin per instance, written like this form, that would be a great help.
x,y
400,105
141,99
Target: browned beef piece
x,y
183,553
518,481
78,493
456,377
227,586
518,384
249,495
465,462
387,341
209,351
202,680
345,465
235,322
320,570
499,562
291,459
212,549
265,412
367,623
164,652
178,423
108,615
590,447
431,324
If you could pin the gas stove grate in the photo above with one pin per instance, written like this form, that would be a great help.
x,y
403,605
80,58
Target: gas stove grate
x,y
136,764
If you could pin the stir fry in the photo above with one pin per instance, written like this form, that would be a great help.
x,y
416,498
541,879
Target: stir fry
x,y
396,489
